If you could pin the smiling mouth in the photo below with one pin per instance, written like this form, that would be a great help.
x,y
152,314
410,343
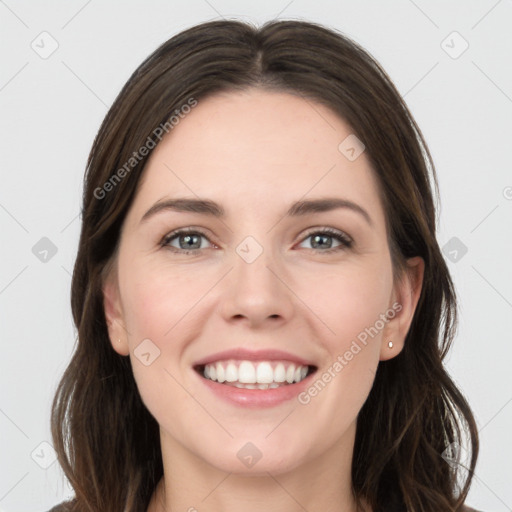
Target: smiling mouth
x,y
255,374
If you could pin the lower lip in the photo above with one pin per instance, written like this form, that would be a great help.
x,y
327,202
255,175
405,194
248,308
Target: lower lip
x,y
256,397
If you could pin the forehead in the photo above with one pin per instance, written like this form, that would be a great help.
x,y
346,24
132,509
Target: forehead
x,y
257,145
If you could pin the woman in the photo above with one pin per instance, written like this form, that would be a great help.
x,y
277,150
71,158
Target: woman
x,y
226,359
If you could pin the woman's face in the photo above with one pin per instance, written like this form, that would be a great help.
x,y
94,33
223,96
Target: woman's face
x,y
261,283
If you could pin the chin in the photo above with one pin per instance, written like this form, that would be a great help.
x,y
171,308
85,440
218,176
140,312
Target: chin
x,y
255,458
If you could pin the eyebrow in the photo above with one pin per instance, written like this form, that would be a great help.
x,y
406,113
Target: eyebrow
x,y
297,209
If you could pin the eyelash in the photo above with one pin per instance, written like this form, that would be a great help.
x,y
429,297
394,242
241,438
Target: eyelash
x,y
345,240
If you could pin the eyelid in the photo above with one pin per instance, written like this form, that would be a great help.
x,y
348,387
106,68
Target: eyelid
x,y
183,231
331,231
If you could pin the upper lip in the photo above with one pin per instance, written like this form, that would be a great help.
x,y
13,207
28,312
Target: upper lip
x,y
244,354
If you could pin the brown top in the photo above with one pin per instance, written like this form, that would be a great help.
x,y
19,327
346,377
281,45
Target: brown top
x,y
61,507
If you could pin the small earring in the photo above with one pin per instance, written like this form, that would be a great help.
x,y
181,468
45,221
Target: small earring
x,y
390,344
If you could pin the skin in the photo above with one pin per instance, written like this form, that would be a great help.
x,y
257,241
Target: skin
x,y
255,153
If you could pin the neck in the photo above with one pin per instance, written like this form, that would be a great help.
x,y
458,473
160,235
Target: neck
x,y
323,483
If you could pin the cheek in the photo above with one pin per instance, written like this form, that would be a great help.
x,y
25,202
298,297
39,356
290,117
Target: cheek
x,y
157,303
157,300
351,309
158,307
350,301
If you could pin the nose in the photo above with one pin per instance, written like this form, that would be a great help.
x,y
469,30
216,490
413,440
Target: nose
x,y
256,291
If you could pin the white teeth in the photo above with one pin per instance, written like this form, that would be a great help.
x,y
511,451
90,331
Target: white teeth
x,y
231,372
256,386
220,373
290,373
246,373
257,375
280,373
264,373
245,386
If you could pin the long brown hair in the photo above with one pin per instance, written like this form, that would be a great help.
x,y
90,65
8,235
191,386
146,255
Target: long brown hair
x,y
106,440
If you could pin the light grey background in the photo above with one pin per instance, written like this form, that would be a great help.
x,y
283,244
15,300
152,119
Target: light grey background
x,y
52,107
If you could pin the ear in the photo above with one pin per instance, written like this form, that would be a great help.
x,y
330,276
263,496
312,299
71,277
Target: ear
x,y
406,293
114,315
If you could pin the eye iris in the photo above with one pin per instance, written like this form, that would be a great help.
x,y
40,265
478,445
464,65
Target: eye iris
x,y
319,237
189,238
